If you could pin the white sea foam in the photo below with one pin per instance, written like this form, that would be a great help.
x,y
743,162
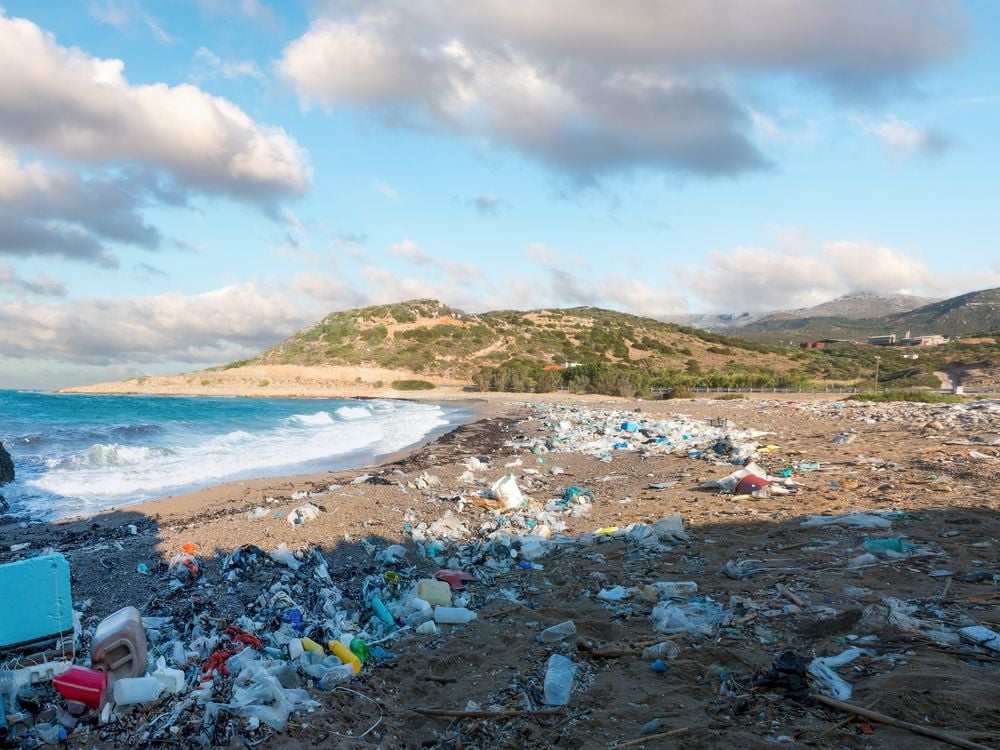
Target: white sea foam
x,y
353,412
320,417
105,475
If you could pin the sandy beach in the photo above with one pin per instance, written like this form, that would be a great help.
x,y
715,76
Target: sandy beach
x,y
796,589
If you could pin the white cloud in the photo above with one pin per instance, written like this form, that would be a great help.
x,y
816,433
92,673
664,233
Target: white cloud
x,y
591,87
902,139
387,190
42,286
238,319
123,13
757,278
454,272
61,101
254,10
546,256
208,64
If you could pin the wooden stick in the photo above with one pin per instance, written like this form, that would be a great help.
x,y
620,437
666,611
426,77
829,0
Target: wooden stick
x,y
936,734
649,738
796,600
487,714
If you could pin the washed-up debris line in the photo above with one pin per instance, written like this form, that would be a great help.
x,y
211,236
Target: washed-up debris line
x,y
179,672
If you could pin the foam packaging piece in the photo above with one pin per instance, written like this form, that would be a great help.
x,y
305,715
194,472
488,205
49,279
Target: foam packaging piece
x,y
37,602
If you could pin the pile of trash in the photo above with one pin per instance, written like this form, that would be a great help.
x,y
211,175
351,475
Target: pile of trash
x,y
182,669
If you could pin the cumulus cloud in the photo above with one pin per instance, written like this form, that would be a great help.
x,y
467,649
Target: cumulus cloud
x,y
61,101
758,278
593,88
233,321
57,212
902,139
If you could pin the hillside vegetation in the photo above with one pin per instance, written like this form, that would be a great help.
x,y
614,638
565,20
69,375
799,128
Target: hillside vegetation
x,y
427,337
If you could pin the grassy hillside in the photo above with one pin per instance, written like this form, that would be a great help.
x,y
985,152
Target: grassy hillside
x,y
430,338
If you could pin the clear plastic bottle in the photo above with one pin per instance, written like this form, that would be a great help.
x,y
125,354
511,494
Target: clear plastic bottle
x,y
453,615
558,680
664,650
668,589
557,632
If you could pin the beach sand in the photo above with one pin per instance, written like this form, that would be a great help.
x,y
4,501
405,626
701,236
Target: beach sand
x,y
708,692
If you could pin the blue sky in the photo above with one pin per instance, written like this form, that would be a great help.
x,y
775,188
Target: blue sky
x,y
183,183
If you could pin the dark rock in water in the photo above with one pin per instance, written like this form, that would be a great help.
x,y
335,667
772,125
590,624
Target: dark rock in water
x,y
4,505
6,466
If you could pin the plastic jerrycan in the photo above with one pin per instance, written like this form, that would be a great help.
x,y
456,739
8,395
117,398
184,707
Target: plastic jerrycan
x,y
119,646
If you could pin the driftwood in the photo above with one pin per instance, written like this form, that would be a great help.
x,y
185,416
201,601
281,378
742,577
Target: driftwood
x,y
936,734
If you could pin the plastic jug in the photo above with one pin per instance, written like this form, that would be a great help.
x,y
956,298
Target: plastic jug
x,y
130,690
88,686
119,646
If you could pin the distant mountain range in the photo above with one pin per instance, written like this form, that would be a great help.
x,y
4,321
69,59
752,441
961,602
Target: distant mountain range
x,y
853,306
975,312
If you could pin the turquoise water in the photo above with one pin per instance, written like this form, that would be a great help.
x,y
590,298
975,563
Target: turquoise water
x,y
77,454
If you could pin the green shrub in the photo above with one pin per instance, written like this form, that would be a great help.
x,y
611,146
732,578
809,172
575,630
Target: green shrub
x,y
679,391
923,397
412,385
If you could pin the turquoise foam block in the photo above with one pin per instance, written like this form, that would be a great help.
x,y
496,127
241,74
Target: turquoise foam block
x,y
37,601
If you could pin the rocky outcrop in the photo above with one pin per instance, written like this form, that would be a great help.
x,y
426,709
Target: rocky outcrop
x,y
6,466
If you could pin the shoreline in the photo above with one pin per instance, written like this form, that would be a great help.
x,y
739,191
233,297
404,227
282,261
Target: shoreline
x,y
460,413
925,484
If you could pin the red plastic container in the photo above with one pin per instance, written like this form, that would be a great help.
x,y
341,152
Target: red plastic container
x,y
88,686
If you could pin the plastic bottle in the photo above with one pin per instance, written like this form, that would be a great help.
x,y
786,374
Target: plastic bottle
x,y
558,680
557,632
308,644
381,611
667,589
665,650
894,544
426,628
360,649
453,615
336,676
130,690
343,653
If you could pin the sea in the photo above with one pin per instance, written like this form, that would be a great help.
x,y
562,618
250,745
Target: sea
x,y
77,454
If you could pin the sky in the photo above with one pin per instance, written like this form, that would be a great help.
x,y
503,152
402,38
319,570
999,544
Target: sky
x,y
186,182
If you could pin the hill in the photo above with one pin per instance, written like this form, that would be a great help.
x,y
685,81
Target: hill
x,y
975,312
857,306
427,337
